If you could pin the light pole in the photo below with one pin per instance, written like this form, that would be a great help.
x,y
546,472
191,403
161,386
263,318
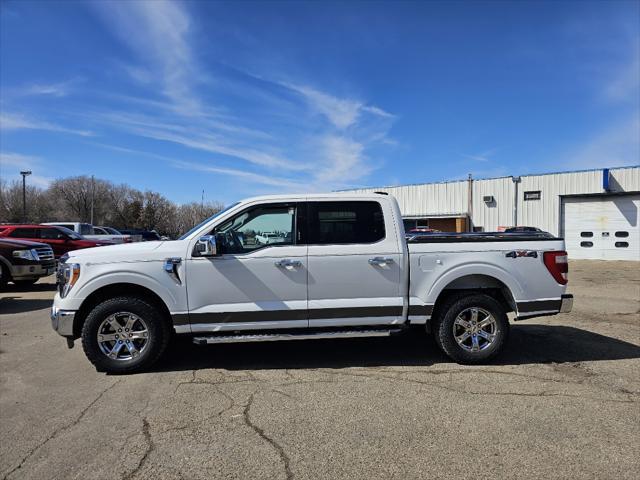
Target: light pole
x,y
24,174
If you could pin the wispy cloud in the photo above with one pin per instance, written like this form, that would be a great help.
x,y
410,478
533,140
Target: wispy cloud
x,y
624,86
158,33
287,183
617,146
242,174
9,121
482,157
283,135
195,137
60,89
12,163
319,155
341,112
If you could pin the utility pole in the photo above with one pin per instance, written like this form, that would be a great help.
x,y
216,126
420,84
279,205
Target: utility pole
x,y
202,204
93,192
469,226
24,174
516,181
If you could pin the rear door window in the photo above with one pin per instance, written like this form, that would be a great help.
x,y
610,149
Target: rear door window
x,y
52,234
335,223
24,233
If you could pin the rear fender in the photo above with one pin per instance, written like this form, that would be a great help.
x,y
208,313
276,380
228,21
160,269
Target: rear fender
x,y
457,272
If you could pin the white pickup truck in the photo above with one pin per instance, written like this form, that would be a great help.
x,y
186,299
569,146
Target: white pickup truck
x,y
91,232
345,270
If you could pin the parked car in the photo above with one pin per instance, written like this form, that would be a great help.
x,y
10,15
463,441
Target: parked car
x,y
521,229
346,272
79,227
146,235
269,238
101,233
23,262
60,239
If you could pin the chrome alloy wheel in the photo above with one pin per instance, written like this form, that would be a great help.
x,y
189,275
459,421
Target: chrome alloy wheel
x,y
123,336
475,329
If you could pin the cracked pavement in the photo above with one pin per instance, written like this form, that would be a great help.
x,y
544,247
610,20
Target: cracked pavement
x,y
562,402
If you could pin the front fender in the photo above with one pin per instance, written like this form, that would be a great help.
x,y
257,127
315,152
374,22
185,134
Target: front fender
x,y
148,275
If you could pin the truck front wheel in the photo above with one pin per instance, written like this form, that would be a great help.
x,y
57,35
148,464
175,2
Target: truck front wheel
x,y
472,329
124,335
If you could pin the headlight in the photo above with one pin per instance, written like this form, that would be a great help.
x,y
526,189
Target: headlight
x,y
26,255
68,274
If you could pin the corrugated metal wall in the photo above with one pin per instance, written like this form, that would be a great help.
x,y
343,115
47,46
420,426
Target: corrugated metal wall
x,y
450,198
429,199
490,216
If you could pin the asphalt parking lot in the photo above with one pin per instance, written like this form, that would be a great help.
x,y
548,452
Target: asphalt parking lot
x,y
562,402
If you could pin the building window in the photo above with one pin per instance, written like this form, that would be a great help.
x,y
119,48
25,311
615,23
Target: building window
x,y
586,244
586,234
532,195
622,244
622,234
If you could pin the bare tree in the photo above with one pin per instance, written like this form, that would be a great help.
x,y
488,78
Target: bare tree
x,y
37,202
119,206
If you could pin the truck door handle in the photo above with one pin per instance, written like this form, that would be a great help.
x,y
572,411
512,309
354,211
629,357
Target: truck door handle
x,y
380,261
285,263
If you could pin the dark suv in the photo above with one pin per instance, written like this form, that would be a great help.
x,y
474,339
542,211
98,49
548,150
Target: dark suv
x,y
23,262
60,239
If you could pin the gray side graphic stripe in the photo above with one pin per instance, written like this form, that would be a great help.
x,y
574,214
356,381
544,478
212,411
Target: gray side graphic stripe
x,y
420,309
286,315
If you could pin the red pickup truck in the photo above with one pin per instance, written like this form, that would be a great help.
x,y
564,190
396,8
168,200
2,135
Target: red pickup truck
x,y
61,240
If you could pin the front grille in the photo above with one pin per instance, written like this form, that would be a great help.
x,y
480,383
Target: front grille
x,y
49,264
44,253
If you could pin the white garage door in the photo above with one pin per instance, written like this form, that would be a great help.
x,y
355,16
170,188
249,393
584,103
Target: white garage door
x,y
602,228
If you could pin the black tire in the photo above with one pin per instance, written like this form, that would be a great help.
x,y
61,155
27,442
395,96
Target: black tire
x,y
159,334
444,328
5,276
25,283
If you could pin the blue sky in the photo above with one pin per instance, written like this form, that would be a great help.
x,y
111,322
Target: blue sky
x,y
246,98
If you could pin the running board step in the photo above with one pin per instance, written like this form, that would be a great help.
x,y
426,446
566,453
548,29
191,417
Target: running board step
x,y
275,337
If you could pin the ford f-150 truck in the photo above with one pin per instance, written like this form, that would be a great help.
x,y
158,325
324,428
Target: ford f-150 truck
x,y
345,270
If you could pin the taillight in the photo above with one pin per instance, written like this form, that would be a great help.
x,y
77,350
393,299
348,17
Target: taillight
x,y
558,265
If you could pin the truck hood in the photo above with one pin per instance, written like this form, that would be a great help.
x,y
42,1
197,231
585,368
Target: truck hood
x,y
21,243
130,252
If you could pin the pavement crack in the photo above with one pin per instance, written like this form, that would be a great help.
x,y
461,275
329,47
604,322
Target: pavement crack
x,y
470,392
150,448
60,430
277,447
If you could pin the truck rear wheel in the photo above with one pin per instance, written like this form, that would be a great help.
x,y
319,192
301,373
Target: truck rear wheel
x,y
472,329
124,335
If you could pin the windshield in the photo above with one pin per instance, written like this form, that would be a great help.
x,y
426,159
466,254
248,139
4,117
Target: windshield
x,y
201,224
70,233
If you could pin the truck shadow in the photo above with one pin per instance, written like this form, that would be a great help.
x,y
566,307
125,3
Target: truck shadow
x,y
528,344
17,304
37,287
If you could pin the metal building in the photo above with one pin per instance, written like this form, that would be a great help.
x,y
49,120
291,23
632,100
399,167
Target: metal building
x,y
596,211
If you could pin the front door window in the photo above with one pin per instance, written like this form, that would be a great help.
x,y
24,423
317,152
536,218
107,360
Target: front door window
x,y
258,227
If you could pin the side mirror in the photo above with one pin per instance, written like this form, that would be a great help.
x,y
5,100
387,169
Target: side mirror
x,y
206,246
